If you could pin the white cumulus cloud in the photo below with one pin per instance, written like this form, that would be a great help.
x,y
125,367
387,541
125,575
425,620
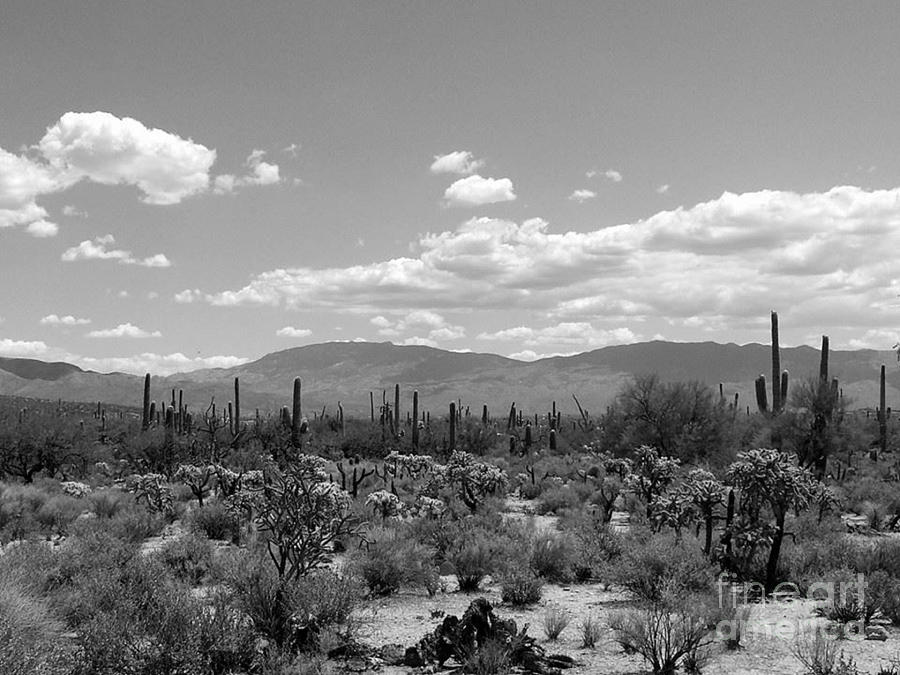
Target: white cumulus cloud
x,y
478,191
259,172
124,330
728,261
460,162
100,249
291,332
158,364
613,175
66,320
22,348
102,148
582,196
110,150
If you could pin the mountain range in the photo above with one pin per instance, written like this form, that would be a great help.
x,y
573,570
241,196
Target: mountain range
x,y
346,372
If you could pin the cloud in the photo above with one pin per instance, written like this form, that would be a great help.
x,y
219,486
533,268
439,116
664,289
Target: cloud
x,y
22,181
439,329
582,196
42,229
577,334
291,332
22,348
811,256
67,320
293,149
158,364
124,330
99,249
613,175
662,189
877,338
461,162
110,150
105,149
259,173
478,191
73,212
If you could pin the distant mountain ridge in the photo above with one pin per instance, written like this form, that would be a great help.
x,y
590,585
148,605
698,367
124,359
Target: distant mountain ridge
x,y
33,369
346,372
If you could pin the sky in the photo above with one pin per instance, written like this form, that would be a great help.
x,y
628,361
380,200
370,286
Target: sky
x,y
189,185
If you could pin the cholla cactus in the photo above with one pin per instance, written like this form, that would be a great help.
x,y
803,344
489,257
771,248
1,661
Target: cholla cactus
x,y
472,480
198,478
652,474
75,489
428,507
413,465
300,513
153,490
385,504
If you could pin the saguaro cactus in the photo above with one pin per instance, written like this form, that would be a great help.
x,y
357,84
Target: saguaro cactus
x,y
452,425
761,398
297,414
145,418
397,409
237,406
823,360
882,413
415,419
776,368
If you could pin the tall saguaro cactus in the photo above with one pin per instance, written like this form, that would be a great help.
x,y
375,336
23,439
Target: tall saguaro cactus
x,y
145,417
882,413
297,414
237,406
397,409
452,425
777,402
415,419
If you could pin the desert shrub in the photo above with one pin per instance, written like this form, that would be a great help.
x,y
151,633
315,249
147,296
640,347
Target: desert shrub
x,y
591,631
225,640
819,656
32,637
520,587
188,557
555,621
552,556
651,566
473,561
19,505
57,513
134,618
561,498
289,613
530,490
883,555
594,544
490,658
216,522
391,560
818,550
666,631
107,503
885,593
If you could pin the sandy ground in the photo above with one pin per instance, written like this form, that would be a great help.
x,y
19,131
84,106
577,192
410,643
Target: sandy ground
x,y
769,634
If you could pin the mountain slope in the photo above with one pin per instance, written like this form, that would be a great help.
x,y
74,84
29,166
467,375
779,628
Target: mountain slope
x,y
346,372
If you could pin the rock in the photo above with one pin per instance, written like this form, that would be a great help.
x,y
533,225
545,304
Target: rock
x,y
876,633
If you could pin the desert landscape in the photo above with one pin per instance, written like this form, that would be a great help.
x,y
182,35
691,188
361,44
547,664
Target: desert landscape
x,y
418,337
